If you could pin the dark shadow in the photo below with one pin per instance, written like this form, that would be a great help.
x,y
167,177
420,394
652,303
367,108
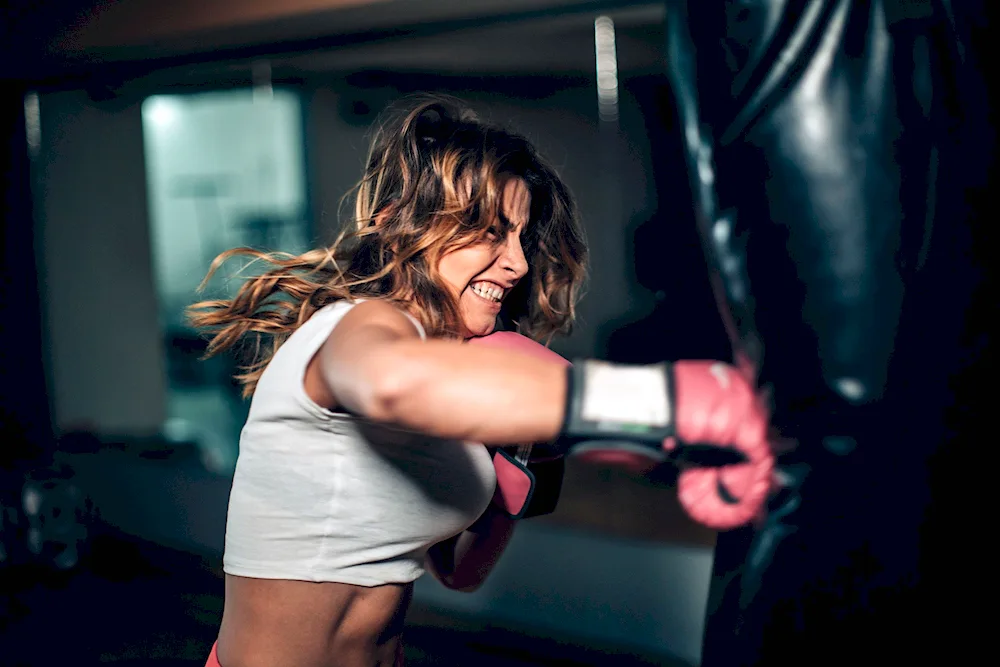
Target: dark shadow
x,y
666,252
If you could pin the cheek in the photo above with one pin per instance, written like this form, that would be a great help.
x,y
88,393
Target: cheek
x,y
450,270
458,268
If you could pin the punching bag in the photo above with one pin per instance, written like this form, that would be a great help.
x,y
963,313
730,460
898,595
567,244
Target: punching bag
x,y
830,145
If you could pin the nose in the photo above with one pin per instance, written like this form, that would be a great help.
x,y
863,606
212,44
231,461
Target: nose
x,y
512,259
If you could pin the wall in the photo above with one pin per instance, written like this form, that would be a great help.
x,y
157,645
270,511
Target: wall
x,y
223,170
105,362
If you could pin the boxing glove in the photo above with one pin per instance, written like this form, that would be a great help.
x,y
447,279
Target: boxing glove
x,y
529,480
640,416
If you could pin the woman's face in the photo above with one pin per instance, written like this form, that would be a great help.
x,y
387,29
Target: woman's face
x,y
482,274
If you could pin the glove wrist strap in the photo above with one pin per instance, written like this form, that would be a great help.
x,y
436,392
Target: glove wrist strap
x,y
607,401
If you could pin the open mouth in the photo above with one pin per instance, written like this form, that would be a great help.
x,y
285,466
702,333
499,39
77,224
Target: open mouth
x,y
488,291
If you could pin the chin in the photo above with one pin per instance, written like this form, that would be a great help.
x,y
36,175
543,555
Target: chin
x,y
479,329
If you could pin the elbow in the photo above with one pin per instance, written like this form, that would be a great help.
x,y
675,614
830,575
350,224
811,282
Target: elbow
x,y
462,585
470,588
452,578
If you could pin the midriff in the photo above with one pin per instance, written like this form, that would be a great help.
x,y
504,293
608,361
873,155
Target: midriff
x,y
282,623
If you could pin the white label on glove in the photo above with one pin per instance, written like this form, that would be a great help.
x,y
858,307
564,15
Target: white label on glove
x,y
625,394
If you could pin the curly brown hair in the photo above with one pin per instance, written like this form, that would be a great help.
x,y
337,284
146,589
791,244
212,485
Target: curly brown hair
x,y
433,182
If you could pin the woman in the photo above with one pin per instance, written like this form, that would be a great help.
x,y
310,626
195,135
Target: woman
x,y
362,462
334,513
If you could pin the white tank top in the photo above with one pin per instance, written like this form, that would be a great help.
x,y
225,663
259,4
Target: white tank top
x,y
323,496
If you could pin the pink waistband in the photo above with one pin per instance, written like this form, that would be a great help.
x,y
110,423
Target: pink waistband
x,y
213,657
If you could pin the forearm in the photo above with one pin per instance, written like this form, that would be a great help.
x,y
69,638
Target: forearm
x,y
464,392
464,562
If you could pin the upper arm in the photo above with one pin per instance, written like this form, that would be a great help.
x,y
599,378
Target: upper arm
x,y
354,360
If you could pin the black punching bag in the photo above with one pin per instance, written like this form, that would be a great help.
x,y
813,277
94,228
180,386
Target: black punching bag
x,y
831,146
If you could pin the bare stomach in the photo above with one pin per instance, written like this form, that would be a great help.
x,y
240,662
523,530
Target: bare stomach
x,y
281,623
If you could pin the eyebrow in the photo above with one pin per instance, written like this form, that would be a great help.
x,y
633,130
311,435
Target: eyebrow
x,y
510,223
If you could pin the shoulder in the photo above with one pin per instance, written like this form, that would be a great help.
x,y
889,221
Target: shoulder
x,y
371,314
360,335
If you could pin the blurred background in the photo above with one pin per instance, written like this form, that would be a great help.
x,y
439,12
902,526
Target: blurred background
x,y
142,138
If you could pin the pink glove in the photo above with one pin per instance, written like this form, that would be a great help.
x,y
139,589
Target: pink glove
x,y
527,485
636,416
508,340
716,405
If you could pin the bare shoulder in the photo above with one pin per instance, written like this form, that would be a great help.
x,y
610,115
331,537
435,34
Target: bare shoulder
x,y
377,320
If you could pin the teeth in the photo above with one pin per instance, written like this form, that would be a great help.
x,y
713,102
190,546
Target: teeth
x,y
488,291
